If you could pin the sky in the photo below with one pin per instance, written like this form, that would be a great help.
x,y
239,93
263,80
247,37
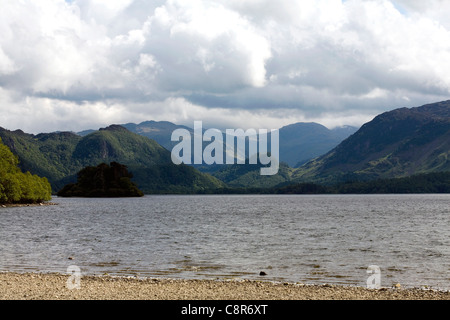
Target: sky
x,y
85,64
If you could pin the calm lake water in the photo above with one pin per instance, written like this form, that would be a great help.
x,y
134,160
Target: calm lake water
x,y
311,239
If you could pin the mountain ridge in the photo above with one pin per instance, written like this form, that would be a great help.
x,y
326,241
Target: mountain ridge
x,y
60,156
299,142
396,143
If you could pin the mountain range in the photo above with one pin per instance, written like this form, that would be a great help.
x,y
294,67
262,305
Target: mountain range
x,y
395,144
399,143
299,142
60,156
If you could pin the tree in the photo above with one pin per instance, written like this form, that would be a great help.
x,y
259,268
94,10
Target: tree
x,y
19,187
104,180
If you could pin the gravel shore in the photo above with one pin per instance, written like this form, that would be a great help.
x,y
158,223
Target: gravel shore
x,y
37,286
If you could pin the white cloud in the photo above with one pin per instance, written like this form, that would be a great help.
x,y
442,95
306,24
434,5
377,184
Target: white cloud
x,y
6,64
86,62
204,46
436,10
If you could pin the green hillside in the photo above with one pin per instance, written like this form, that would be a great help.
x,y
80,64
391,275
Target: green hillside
x,y
60,156
47,155
248,176
19,187
115,142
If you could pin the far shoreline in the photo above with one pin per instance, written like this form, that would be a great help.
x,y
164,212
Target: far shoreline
x,y
14,205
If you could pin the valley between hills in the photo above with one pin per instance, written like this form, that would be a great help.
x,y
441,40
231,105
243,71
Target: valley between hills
x,y
405,150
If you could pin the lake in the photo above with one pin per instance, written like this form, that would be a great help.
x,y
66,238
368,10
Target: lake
x,y
312,239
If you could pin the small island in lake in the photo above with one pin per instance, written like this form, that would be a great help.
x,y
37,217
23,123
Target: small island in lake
x,y
102,181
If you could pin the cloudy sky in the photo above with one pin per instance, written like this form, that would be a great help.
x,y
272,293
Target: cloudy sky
x,y
79,64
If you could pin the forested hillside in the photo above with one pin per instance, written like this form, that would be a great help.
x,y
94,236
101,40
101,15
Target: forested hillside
x,y
59,156
19,187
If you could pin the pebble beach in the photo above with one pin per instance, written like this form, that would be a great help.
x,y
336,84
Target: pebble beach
x,y
50,286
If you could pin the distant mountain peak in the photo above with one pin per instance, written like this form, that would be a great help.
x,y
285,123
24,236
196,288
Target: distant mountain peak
x,y
395,144
114,127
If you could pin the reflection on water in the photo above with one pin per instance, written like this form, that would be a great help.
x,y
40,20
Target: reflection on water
x,y
298,238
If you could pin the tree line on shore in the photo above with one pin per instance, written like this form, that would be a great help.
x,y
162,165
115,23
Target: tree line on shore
x,y
436,182
17,186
